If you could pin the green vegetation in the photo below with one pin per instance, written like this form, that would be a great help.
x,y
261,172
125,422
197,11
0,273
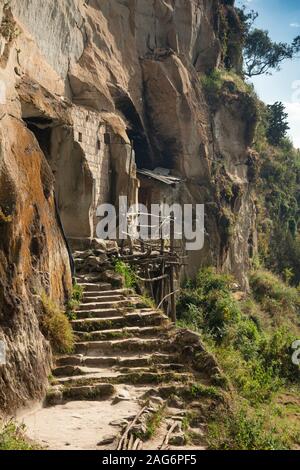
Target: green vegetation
x,y
55,326
280,301
278,203
127,272
220,80
277,123
261,54
241,430
12,437
74,302
146,302
154,421
251,339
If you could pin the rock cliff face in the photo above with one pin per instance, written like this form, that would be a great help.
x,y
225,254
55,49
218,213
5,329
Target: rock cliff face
x,y
80,81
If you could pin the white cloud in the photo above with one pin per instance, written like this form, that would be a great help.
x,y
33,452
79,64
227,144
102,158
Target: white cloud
x,y
293,110
295,25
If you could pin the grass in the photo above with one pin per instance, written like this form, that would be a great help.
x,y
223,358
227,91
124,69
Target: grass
x,y
242,430
56,326
127,272
146,302
199,391
276,297
253,351
213,83
74,302
12,437
154,421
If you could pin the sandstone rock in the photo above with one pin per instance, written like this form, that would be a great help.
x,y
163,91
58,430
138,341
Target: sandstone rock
x,y
31,246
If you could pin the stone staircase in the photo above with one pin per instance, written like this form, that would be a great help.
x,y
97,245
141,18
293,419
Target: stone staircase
x,y
130,363
118,341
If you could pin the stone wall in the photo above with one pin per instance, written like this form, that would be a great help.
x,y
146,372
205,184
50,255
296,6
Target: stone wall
x,y
90,132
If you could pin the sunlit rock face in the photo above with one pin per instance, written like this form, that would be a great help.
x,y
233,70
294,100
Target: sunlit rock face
x,y
83,80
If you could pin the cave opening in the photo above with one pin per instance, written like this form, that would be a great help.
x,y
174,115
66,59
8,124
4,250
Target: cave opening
x,y
136,133
42,129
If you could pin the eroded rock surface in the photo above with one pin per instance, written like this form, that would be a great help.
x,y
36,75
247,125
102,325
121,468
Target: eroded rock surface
x,y
80,82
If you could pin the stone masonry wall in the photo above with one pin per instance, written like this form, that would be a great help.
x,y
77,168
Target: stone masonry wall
x,y
89,132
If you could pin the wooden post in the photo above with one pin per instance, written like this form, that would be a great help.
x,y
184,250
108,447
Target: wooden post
x,y
172,279
160,228
127,194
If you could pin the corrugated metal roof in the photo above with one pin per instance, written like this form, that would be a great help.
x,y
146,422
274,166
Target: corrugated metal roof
x,y
170,180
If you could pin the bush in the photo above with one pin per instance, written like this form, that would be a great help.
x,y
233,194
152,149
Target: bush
x,y
257,360
279,214
214,82
209,305
74,302
274,295
55,326
127,272
277,352
12,437
241,431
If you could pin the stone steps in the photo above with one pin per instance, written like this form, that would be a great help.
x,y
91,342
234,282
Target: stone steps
x,y
106,293
136,345
124,354
96,392
117,321
129,360
121,333
134,378
92,298
115,361
104,313
99,305
78,370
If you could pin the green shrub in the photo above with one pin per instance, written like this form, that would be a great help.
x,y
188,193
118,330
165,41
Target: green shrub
x,y
12,437
212,83
209,306
279,214
74,302
55,326
210,279
191,317
275,296
127,272
277,351
241,431
256,359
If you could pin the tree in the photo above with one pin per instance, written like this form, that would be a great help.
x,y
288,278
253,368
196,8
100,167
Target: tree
x,y
277,125
261,54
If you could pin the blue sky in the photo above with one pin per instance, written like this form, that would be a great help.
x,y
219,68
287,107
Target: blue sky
x,y
282,19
